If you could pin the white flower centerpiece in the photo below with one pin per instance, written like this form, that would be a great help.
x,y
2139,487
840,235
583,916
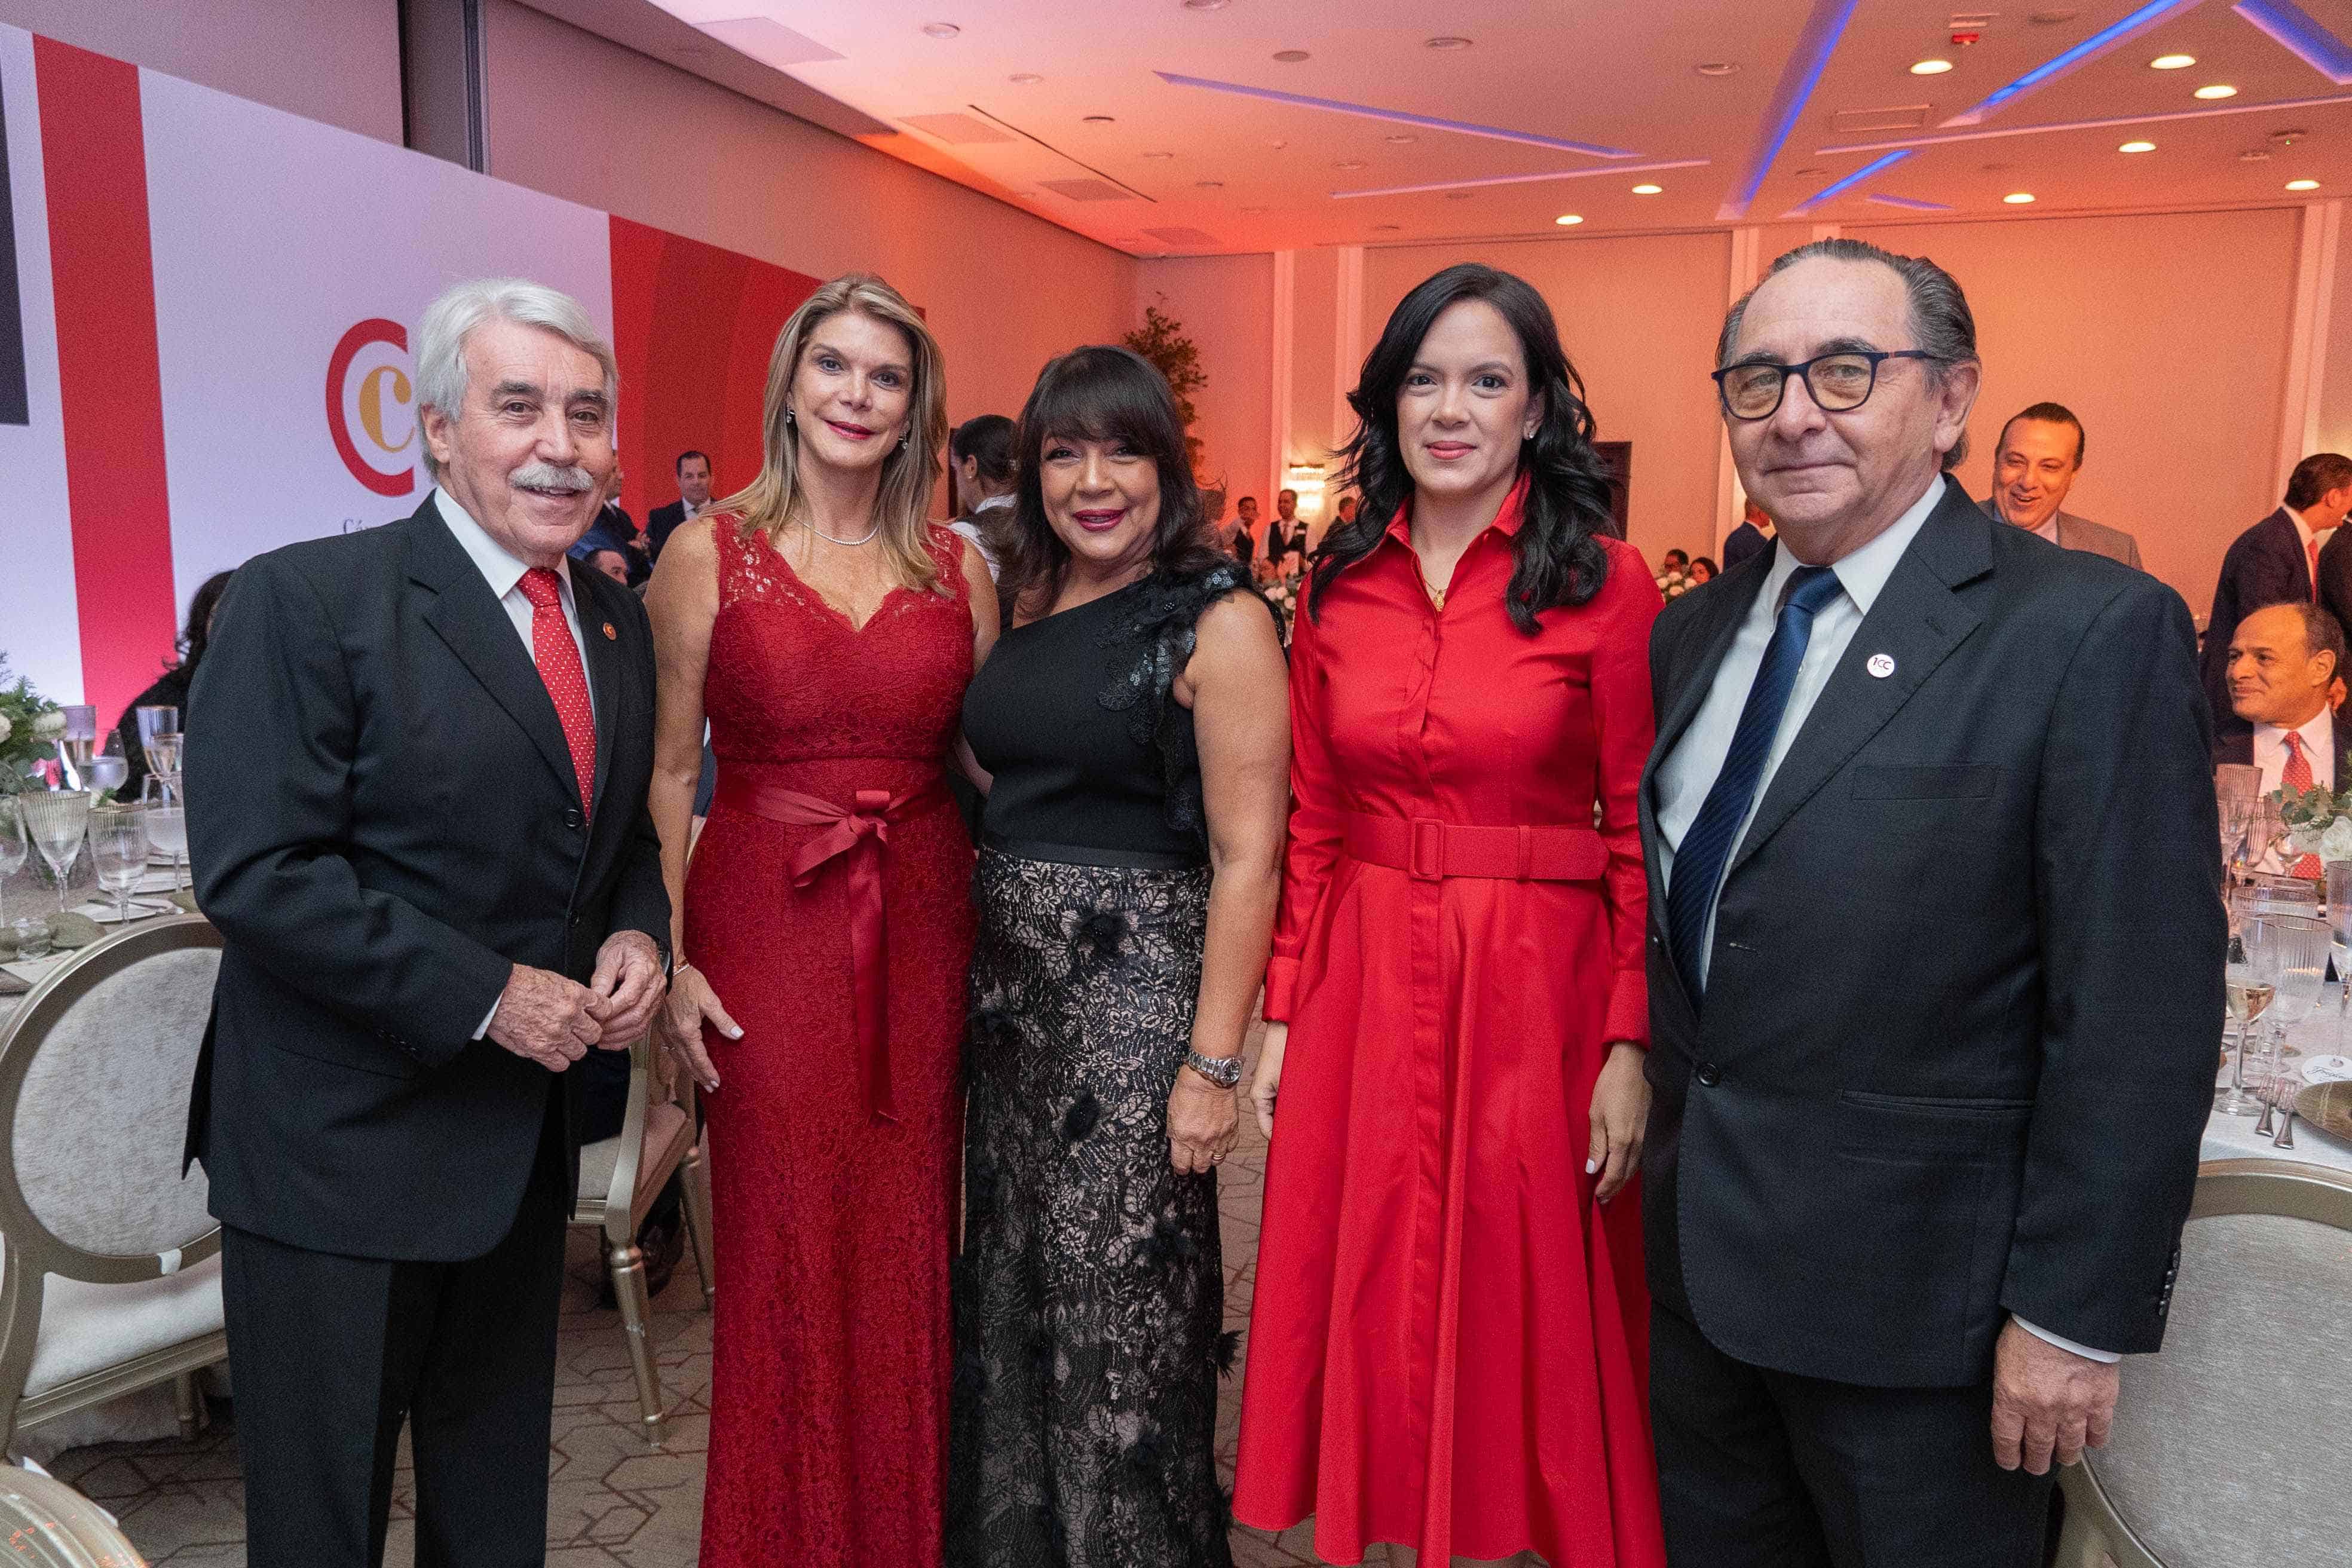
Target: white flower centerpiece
x,y
1675,584
2316,822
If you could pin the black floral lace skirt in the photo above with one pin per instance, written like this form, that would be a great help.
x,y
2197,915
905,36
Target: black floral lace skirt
x,y
1089,1296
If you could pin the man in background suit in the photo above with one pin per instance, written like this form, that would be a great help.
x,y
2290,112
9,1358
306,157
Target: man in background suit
x,y
2283,662
1286,534
425,845
1748,539
693,501
1934,959
2037,462
2275,561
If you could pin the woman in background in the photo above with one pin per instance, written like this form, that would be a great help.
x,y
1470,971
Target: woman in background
x,y
827,631
1702,570
171,690
1132,721
1448,1343
980,456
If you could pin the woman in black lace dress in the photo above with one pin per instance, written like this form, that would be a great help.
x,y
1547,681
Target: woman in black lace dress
x,y
1133,720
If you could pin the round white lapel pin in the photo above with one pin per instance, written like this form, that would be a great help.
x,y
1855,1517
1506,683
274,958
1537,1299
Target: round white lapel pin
x,y
1881,665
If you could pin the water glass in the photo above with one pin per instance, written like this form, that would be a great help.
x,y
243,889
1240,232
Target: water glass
x,y
56,819
167,820
159,736
2249,995
80,742
109,770
15,844
118,845
2296,964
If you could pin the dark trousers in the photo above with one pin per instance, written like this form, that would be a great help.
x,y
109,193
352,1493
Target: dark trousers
x,y
1769,1469
330,1354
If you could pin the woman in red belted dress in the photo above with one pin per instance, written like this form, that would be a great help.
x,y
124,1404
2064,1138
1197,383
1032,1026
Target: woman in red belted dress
x,y
823,938
1448,1347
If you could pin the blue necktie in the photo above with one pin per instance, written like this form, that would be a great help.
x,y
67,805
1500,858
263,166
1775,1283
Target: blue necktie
x,y
1706,848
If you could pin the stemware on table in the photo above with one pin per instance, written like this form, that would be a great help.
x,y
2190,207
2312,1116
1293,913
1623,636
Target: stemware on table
x,y
56,820
118,846
15,844
159,736
2249,995
78,743
2289,952
167,819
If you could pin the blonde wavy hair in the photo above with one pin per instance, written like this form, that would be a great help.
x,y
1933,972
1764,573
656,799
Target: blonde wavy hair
x,y
902,508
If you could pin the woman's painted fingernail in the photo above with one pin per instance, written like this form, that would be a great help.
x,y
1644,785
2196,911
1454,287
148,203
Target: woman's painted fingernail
x,y
1592,1167
736,1033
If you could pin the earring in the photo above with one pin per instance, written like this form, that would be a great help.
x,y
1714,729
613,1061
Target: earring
x,y
788,417
903,440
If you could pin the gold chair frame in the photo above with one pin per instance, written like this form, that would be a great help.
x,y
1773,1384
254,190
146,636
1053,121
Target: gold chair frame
x,y
2095,1531
33,1252
622,1208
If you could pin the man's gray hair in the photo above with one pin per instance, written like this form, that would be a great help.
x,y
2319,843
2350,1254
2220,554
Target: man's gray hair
x,y
441,338
1940,317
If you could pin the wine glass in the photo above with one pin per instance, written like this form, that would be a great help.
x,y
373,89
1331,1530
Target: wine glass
x,y
2249,996
109,770
2297,965
159,736
13,846
118,846
78,743
167,820
56,820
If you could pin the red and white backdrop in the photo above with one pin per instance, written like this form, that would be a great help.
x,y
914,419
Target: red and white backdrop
x,y
206,311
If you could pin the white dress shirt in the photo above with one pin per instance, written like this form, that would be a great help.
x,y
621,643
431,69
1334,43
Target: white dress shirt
x,y
970,528
504,574
2049,528
1686,775
2318,750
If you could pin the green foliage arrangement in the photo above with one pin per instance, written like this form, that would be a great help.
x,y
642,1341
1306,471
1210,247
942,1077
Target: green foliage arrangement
x,y
1161,340
29,727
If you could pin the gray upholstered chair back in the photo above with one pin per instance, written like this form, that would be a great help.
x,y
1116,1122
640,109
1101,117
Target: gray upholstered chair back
x,y
94,1077
2229,1450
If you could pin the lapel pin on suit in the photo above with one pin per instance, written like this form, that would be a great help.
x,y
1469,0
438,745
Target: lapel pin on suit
x,y
610,635
1881,665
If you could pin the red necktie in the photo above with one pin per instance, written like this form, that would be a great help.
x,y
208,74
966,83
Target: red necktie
x,y
2311,549
558,658
2296,775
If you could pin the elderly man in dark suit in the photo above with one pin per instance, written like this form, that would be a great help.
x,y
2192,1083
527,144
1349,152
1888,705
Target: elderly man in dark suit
x,y
1934,962
425,842
2038,460
2276,560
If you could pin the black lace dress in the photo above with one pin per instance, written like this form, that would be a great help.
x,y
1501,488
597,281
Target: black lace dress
x,y
1088,1300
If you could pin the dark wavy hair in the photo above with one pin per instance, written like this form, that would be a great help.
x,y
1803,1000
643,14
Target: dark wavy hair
x,y
1557,560
1100,393
197,634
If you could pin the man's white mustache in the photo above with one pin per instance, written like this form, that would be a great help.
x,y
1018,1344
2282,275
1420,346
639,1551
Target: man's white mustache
x,y
548,476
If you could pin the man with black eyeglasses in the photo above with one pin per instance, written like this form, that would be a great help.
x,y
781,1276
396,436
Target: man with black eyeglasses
x,y
1934,958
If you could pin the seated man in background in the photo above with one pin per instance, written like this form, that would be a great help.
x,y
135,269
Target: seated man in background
x,y
2037,462
2283,667
610,563
2277,559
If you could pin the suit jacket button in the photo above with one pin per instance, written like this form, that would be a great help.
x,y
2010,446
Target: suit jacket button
x,y
1709,1075
571,817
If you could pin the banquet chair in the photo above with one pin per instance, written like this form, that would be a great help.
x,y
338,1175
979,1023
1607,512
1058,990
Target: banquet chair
x,y
2227,1449
109,1266
47,1524
620,1177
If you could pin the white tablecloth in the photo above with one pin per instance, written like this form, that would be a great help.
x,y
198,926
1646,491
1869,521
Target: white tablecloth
x,y
2233,1137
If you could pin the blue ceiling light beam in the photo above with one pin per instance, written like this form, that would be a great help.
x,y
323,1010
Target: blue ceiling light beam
x,y
2090,49
2295,30
1909,204
1398,117
1815,42
1839,187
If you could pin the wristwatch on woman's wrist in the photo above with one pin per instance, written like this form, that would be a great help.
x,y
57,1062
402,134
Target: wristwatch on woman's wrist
x,y
1223,1071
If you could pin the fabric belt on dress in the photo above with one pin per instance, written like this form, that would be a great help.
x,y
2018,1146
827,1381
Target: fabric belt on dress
x,y
1430,849
861,831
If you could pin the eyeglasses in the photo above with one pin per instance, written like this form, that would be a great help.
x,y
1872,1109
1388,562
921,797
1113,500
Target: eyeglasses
x,y
1837,382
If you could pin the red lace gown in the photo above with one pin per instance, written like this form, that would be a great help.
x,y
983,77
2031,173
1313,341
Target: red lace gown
x,y
830,1353
1448,1344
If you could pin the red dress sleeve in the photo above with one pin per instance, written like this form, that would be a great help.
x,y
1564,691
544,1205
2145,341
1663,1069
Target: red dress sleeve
x,y
1624,722
1313,844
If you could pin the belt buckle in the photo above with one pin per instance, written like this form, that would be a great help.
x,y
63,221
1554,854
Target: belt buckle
x,y
1425,850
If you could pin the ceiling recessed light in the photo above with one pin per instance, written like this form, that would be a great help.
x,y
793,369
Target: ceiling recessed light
x,y
2219,89
1209,184
1931,68
1649,190
1568,220
2303,185
1100,119
2172,62
942,30
1445,42
1025,79
1401,136
2136,147
1292,56
1349,164
1715,68
1155,156
2018,198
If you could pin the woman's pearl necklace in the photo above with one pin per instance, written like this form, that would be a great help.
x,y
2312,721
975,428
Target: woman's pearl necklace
x,y
829,539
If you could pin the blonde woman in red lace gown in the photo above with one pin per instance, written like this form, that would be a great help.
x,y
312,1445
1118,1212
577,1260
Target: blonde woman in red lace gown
x,y
827,632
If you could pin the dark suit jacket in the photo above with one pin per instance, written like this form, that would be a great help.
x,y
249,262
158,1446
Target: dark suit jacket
x,y
2335,575
661,522
1741,543
386,820
2241,748
1957,1048
2265,566
1281,539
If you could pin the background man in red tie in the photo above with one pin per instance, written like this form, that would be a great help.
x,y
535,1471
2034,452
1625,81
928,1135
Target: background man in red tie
x,y
424,837
2276,560
2283,663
